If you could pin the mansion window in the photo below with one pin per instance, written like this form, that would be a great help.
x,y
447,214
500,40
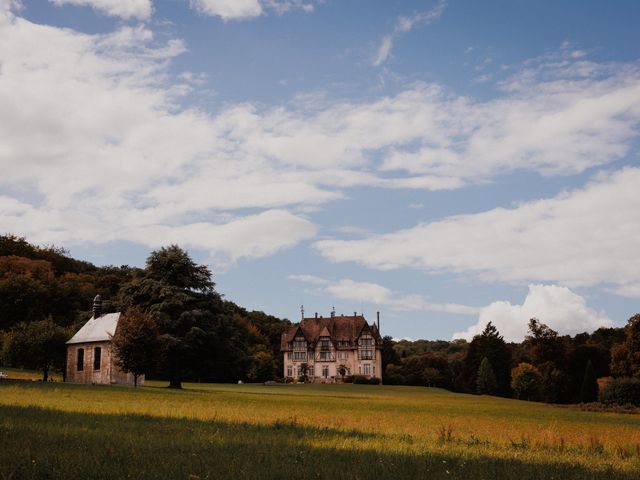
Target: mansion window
x,y
310,371
299,344
366,341
366,354
324,344
325,371
326,355
289,371
299,356
366,369
343,355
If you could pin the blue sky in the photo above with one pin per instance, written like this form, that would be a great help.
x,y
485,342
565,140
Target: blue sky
x,y
444,163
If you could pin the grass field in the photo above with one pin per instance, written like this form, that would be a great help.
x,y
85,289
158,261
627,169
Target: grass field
x,y
55,430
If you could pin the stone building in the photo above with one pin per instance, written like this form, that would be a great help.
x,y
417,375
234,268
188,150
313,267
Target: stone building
x,y
332,347
90,355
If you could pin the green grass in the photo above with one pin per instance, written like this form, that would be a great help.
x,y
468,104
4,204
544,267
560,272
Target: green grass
x,y
60,430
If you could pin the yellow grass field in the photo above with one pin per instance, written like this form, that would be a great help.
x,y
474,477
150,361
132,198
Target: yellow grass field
x,y
60,430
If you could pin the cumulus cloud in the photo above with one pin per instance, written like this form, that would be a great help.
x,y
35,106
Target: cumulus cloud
x,y
247,9
93,134
580,238
140,9
558,307
405,24
369,292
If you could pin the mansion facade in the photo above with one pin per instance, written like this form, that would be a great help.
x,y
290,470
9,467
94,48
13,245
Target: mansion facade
x,y
331,348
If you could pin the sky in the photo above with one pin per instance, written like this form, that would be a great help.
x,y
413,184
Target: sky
x,y
446,163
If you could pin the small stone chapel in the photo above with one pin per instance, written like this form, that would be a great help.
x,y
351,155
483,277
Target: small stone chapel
x,y
90,355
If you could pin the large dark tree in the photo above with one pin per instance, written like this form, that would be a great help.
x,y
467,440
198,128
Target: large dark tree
x,y
38,345
491,345
198,339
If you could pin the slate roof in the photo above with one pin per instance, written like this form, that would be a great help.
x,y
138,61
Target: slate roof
x,y
340,327
97,329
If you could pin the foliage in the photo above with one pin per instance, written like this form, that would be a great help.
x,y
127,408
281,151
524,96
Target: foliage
x,y
526,382
491,345
304,370
589,388
486,383
621,391
136,342
38,345
362,380
625,356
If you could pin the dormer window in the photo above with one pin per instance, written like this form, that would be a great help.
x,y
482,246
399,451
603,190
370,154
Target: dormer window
x,y
324,343
299,343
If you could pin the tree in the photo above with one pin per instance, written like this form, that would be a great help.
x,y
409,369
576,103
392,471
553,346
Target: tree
x,y
136,342
486,383
196,338
388,353
304,370
491,345
39,345
589,388
526,381
625,356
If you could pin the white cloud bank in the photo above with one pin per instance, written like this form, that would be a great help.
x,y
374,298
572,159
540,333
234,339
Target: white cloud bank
x,y
94,145
558,307
140,9
369,292
581,238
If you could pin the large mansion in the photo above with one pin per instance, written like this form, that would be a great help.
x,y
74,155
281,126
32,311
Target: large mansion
x,y
332,347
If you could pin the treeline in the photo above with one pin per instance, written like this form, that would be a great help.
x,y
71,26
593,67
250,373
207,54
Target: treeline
x,y
46,296
544,367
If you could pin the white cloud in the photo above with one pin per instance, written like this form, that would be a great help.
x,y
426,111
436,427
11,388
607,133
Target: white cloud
x,y
140,9
369,292
580,238
228,9
247,9
406,24
558,307
91,129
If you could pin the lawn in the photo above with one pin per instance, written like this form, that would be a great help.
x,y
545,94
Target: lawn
x,y
58,430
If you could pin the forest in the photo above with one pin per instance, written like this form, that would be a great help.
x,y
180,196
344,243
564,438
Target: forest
x,y
177,327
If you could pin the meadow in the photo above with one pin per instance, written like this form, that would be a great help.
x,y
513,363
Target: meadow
x,y
56,430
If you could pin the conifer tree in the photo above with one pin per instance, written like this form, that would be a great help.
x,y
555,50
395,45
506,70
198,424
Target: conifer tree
x,y
486,383
589,389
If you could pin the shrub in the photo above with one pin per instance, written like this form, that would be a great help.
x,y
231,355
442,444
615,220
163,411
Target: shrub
x,y
362,380
622,391
526,382
348,379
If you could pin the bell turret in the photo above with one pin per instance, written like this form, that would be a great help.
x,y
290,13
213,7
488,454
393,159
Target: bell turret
x,y
97,306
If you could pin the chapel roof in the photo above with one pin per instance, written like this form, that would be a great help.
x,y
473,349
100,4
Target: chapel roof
x,y
97,329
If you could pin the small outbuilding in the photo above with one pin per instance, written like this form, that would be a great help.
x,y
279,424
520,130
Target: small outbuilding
x,y
90,354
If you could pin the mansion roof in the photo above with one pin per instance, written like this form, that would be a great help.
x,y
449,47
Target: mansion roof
x,y
337,328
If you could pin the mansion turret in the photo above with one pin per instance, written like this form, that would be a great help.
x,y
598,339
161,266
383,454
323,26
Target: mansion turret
x,y
332,348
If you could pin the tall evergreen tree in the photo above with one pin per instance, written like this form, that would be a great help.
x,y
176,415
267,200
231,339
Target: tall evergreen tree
x,y
486,383
195,338
488,344
589,389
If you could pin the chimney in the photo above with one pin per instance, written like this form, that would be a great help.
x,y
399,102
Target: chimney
x,y
378,315
316,314
355,314
97,306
